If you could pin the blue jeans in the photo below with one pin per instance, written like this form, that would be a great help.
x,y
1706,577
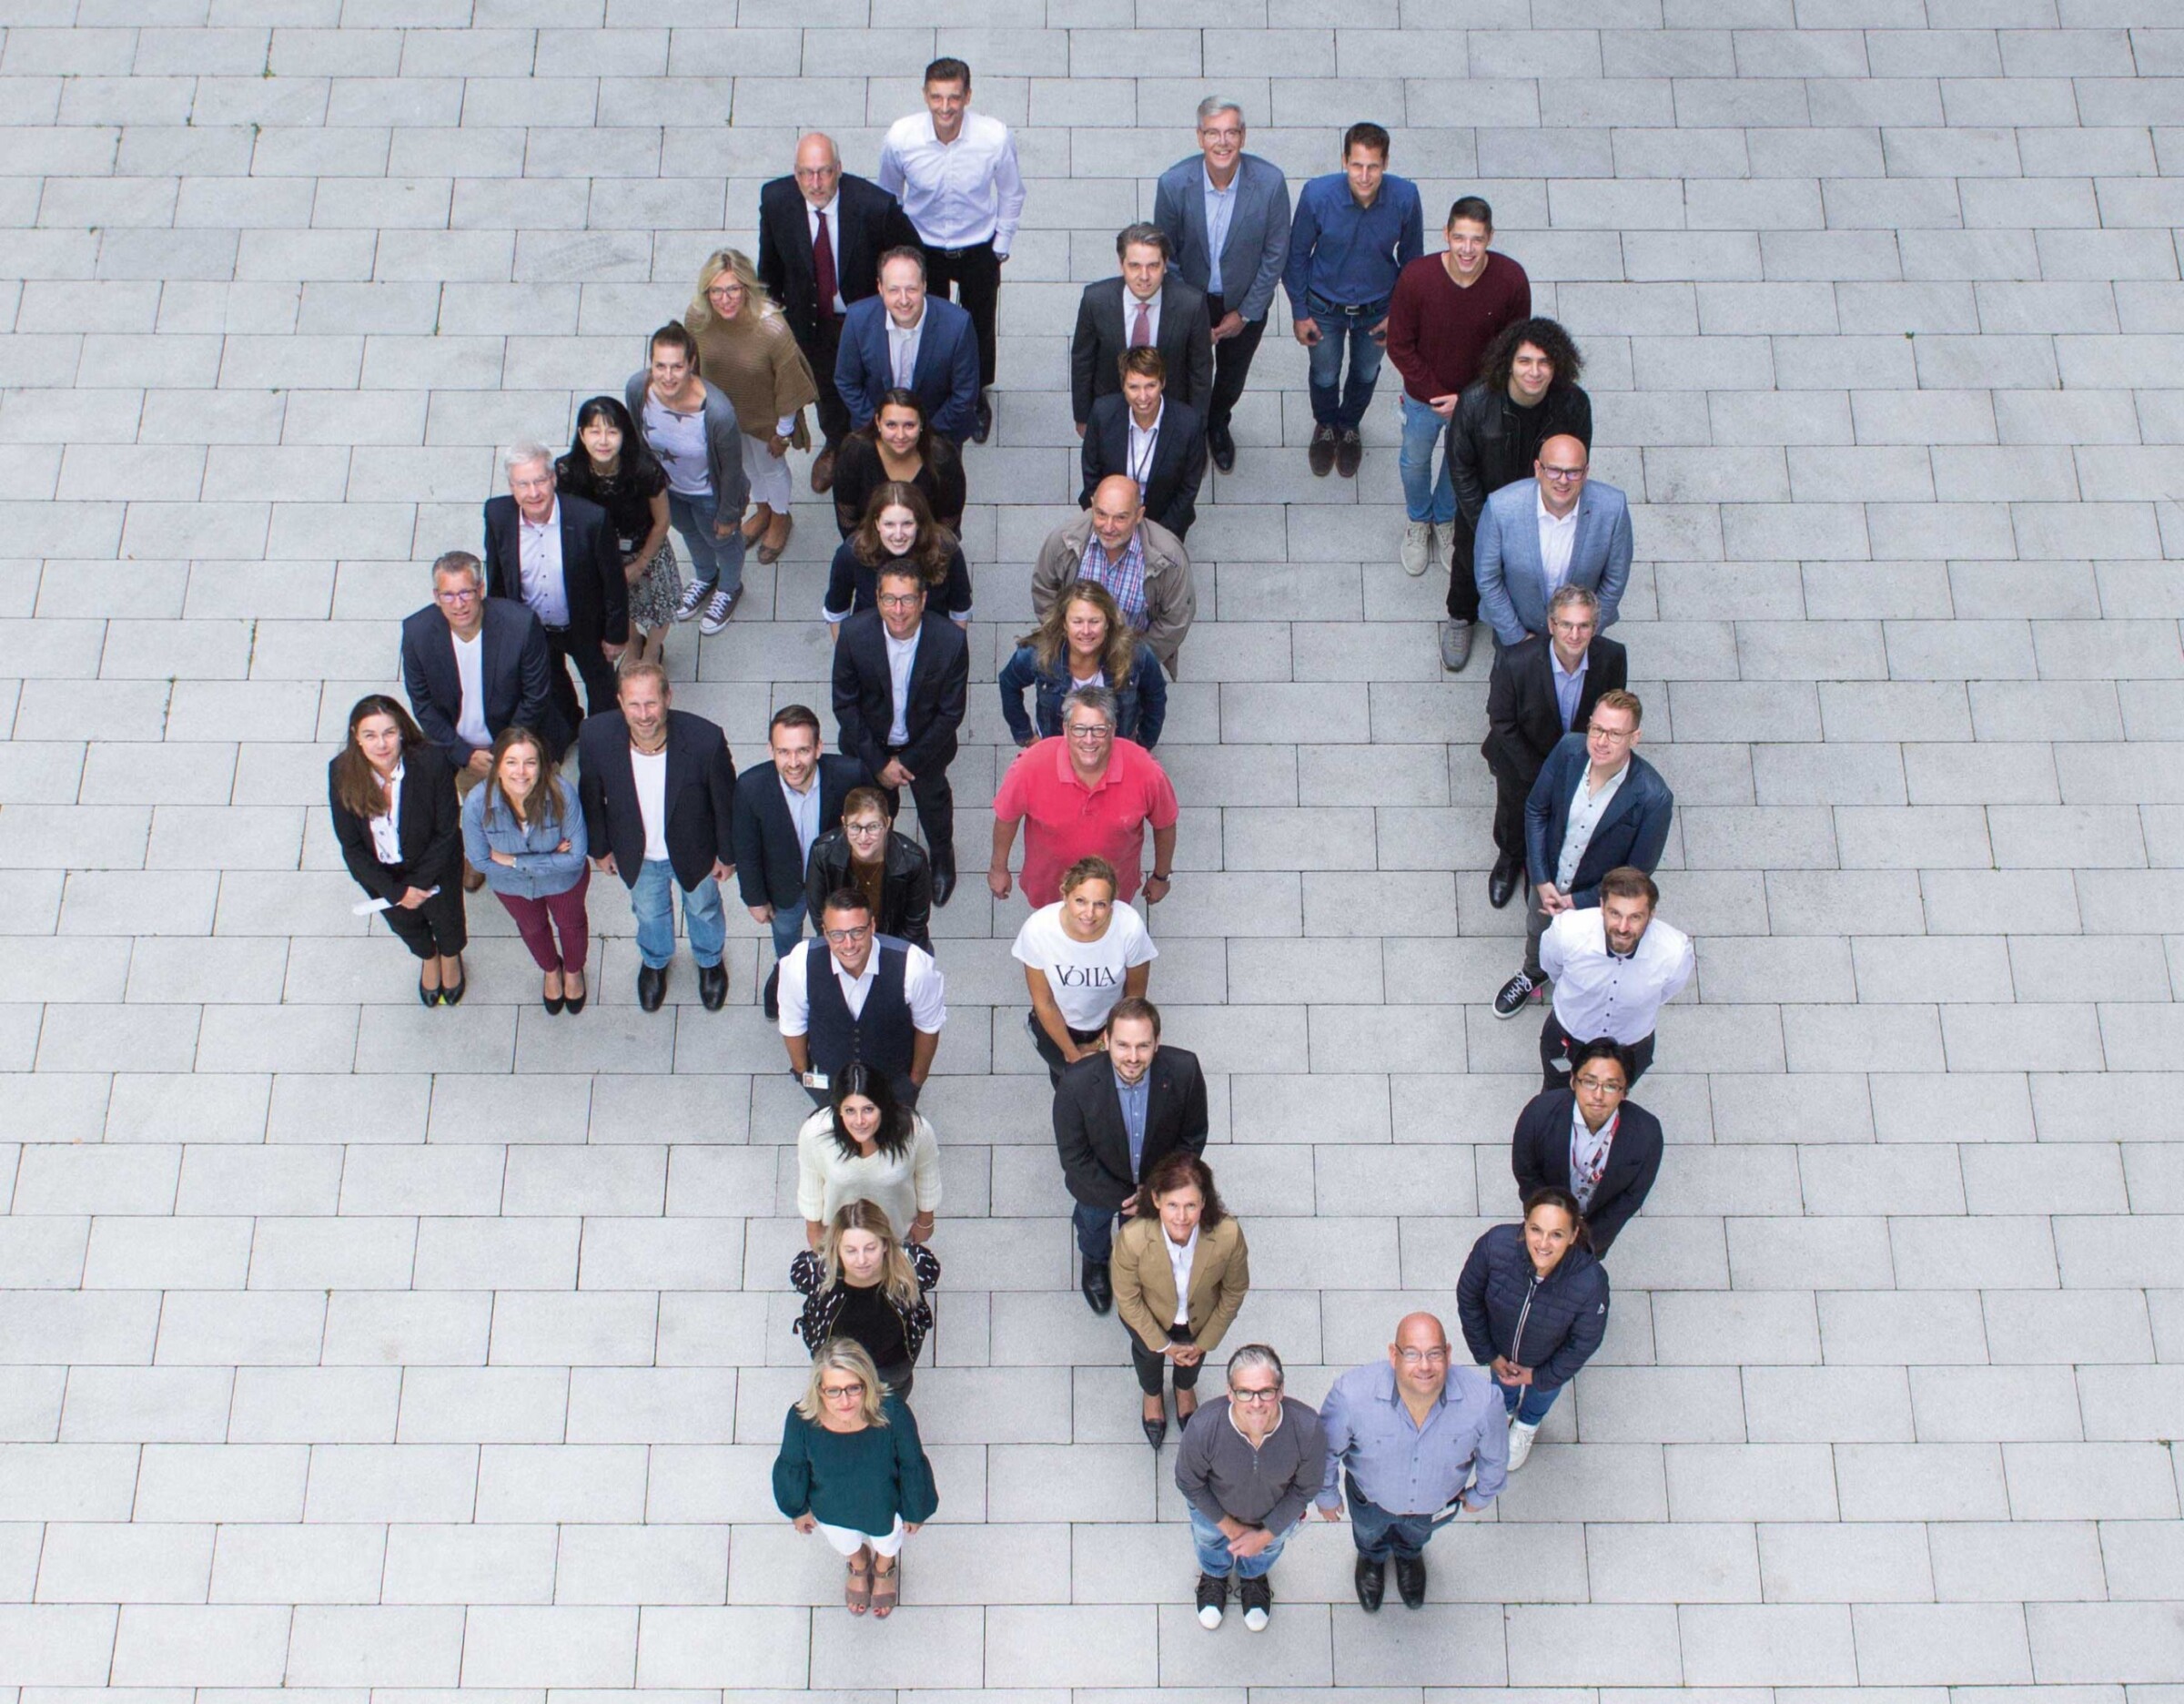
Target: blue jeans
x,y
1529,1403
788,929
1335,402
1424,497
1213,1550
1379,1533
1095,1232
652,900
713,562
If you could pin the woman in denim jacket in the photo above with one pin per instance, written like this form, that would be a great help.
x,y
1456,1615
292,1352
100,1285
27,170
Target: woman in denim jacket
x,y
1084,642
524,832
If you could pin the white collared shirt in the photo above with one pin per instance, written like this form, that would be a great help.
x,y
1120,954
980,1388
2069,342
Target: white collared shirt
x,y
1589,1152
1557,536
803,814
1179,1257
545,588
1597,994
1143,441
957,194
903,342
902,658
1587,808
830,215
470,669
386,827
924,990
1130,305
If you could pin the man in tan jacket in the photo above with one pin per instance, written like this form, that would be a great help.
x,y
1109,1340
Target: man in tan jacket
x,y
1139,560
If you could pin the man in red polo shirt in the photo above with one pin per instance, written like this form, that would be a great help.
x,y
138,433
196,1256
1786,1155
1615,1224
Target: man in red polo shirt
x,y
1086,792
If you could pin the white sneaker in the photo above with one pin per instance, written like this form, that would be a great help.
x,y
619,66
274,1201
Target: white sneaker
x,y
722,606
1418,547
693,596
1520,1443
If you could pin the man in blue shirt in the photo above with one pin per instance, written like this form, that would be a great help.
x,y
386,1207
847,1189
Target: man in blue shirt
x,y
1354,231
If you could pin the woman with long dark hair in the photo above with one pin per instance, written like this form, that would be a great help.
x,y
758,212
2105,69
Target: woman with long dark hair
x,y
865,1145
393,800
898,447
610,464
898,530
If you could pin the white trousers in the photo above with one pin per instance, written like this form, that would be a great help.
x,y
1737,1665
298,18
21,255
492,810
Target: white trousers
x,y
849,1541
769,475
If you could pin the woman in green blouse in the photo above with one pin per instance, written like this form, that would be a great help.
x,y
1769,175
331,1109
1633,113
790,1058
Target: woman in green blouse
x,y
851,1469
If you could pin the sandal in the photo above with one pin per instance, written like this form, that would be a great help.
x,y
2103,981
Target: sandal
x,y
858,1593
885,1588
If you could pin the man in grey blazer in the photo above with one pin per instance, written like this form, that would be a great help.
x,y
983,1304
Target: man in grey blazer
x,y
1556,529
1227,215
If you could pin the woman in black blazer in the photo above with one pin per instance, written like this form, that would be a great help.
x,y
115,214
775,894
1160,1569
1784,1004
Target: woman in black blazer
x,y
393,799
889,870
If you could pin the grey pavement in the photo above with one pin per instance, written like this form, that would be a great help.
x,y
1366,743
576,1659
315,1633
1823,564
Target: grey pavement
x,y
377,1354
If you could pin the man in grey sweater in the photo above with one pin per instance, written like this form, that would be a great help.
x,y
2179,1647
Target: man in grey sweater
x,y
1248,1465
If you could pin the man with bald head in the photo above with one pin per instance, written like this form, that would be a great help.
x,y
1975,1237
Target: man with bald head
x,y
1557,528
821,233
1413,1441
1142,564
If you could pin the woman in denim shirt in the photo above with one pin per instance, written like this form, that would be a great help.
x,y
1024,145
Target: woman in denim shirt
x,y
1085,642
525,832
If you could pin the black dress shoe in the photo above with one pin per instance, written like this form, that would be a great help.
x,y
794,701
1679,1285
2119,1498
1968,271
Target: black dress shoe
x,y
651,987
1372,1585
1156,1431
575,1002
770,999
1502,884
452,993
555,1004
713,986
1100,1290
944,883
1411,1580
983,427
1222,448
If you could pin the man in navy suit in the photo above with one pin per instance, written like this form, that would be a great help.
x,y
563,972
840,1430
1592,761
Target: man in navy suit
x,y
780,809
1152,440
907,337
561,556
1597,806
1553,529
473,666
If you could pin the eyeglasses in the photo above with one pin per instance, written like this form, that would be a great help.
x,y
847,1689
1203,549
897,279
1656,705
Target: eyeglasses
x,y
1615,737
465,596
901,600
1095,731
725,289
864,830
845,937
839,1393
1572,626
1427,1358
1221,136
1599,1085
1266,1394
1561,475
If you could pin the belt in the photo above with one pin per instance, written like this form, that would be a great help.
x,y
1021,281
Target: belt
x,y
958,254
1347,308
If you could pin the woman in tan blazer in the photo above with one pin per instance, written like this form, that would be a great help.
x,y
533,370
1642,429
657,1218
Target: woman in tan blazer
x,y
1180,1269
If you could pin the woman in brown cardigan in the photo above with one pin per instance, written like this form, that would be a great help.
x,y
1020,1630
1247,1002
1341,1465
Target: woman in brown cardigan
x,y
1180,1270
746,349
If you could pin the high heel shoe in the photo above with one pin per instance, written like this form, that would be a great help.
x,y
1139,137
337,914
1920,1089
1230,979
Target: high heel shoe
x,y
575,1003
552,1002
451,994
426,997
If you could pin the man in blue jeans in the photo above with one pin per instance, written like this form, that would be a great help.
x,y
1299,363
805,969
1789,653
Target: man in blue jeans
x,y
1249,1466
1354,231
1415,1445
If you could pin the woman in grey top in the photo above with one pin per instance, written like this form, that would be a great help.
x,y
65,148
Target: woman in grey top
x,y
524,831
690,425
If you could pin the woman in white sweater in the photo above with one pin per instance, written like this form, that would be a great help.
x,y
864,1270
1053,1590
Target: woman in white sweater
x,y
865,1145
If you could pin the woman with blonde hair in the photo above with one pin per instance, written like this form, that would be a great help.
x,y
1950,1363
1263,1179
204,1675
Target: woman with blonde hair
x,y
524,832
860,1283
851,1469
746,348
1083,641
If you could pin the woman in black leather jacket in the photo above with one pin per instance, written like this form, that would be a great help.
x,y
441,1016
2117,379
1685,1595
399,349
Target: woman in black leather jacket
x,y
889,870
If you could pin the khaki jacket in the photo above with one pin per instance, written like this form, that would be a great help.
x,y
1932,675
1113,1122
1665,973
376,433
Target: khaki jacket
x,y
1171,599
1145,1284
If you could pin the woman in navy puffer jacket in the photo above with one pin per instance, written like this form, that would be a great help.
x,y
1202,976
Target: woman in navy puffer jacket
x,y
1534,1302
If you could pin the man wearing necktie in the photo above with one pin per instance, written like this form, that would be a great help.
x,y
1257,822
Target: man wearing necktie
x,y
1147,306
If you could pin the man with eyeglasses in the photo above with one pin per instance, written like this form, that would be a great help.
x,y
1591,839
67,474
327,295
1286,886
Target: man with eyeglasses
x,y
1413,1443
1248,1466
1597,806
902,678
1557,528
1085,793
855,995
1590,1139
1613,967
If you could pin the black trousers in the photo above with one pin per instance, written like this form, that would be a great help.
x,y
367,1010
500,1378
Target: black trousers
x,y
1047,1050
1231,364
936,811
975,275
564,646
1557,1044
1150,1366
438,926
820,349
1463,575
1513,787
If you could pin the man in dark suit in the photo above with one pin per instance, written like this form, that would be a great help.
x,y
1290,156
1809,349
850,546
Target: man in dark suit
x,y
821,233
1540,691
657,790
473,666
1141,434
781,808
1597,806
1591,1140
901,678
560,556
1117,1115
1148,305
905,337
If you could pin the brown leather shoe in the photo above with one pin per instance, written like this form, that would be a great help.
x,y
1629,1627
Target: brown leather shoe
x,y
1321,453
1349,449
822,471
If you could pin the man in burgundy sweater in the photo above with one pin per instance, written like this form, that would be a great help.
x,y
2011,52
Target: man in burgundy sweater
x,y
1445,310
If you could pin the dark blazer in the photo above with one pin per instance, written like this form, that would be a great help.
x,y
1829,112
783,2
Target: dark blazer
x,y
865,692
905,883
701,786
512,662
1523,723
427,819
1551,1324
599,594
945,377
1185,340
1634,830
769,865
1088,1131
867,223
1171,485
1539,1155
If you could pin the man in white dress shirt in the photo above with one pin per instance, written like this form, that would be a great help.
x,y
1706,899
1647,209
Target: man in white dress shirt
x,y
955,173
1613,967
851,995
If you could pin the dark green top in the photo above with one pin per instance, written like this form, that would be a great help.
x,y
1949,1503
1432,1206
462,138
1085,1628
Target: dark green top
x,y
861,1480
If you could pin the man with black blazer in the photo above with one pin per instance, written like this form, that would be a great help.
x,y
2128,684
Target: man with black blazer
x,y
473,666
559,555
901,682
1591,1140
781,808
1540,691
1157,443
1148,305
1117,1115
658,785
1597,806
821,233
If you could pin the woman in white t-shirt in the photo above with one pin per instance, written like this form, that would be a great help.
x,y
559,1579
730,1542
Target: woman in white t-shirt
x,y
1081,955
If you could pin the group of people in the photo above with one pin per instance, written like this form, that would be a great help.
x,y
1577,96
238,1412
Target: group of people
x,y
844,311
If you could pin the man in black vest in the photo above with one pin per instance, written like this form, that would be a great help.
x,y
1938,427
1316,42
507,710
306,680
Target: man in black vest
x,y
855,995
1117,1115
